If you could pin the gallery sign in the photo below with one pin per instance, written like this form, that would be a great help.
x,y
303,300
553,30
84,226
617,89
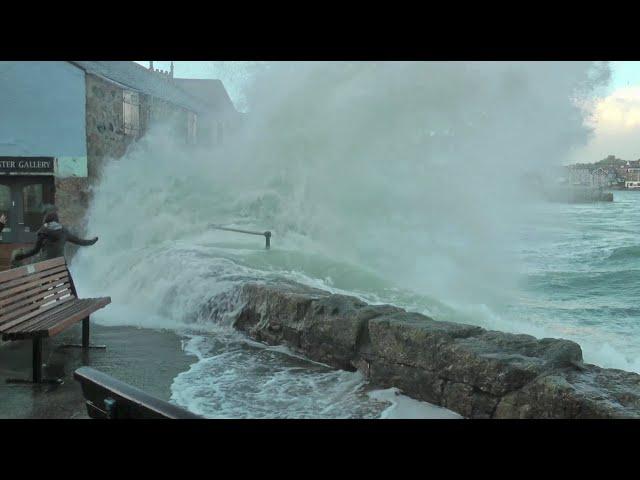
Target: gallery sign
x,y
19,165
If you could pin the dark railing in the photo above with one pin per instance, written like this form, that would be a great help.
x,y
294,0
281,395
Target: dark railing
x,y
267,234
108,398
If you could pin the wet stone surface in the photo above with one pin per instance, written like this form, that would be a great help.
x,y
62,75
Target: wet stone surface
x,y
146,359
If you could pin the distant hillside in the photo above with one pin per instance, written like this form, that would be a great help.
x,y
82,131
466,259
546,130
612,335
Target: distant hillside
x,y
610,161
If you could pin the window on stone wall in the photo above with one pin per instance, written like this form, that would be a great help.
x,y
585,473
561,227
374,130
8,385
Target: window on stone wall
x,y
192,127
131,112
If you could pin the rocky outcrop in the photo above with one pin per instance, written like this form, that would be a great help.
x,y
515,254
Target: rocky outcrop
x,y
472,371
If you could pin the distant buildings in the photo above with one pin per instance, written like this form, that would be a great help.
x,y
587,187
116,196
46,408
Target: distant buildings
x,y
631,174
609,172
591,177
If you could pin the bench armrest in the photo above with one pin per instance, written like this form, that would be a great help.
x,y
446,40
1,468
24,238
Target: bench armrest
x,y
110,398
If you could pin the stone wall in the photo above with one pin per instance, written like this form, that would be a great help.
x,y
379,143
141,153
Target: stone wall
x,y
156,110
105,124
72,199
465,368
106,139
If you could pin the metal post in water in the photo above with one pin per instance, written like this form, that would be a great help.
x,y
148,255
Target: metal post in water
x,y
267,234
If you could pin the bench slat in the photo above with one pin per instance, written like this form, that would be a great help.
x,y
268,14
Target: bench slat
x,y
43,314
6,285
24,326
58,320
96,304
54,317
33,294
6,326
26,287
39,300
30,269
31,304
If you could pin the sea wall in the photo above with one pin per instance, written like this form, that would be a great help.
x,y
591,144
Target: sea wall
x,y
472,371
570,194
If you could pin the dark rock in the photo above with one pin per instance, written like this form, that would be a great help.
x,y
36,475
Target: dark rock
x,y
423,384
497,362
592,392
475,372
326,328
413,339
467,401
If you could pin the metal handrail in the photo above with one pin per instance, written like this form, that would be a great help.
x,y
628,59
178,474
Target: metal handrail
x,y
267,234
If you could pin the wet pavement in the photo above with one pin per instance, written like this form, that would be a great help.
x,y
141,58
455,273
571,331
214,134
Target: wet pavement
x,y
147,359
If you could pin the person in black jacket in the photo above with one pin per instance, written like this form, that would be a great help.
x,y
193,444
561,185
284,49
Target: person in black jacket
x,y
52,237
3,221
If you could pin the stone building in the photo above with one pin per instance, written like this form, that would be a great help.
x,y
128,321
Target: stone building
x,y
61,120
219,115
590,176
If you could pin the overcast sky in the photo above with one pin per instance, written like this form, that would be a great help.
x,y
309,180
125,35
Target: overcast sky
x,y
616,121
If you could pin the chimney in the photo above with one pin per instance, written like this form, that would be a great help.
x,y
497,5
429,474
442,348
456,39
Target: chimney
x,y
171,71
151,65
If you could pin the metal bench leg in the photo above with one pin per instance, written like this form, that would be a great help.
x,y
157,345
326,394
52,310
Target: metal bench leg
x,y
85,338
36,358
85,333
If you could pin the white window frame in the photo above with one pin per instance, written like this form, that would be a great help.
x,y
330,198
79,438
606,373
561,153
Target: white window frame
x,y
192,128
131,112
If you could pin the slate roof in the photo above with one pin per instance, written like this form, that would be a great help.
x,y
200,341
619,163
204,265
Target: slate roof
x,y
210,91
136,77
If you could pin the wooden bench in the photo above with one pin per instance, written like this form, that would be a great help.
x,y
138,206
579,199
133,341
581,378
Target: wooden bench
x,y
39,301
108,398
